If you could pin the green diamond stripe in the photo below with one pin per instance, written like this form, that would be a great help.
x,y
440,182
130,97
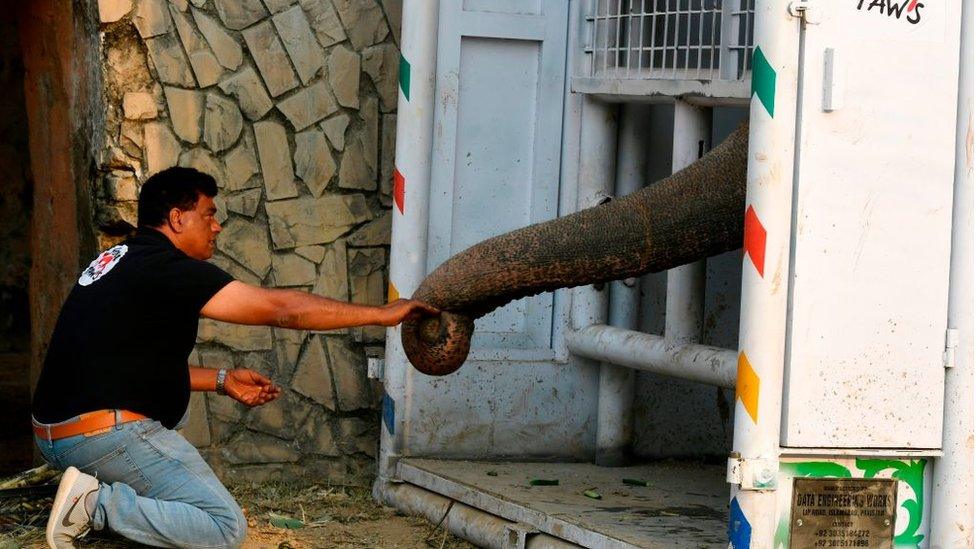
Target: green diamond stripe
x,y
763,80
405,77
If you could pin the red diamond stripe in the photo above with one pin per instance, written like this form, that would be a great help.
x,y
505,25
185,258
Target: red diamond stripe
x,y
754,240
398,184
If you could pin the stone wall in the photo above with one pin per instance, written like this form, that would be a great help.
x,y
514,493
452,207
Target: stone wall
x,y
290,104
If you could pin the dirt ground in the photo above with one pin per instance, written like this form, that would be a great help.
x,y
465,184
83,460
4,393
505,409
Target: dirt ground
x,y
321,516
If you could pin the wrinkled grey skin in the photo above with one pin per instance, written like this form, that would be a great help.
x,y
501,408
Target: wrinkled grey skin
x,y
693,214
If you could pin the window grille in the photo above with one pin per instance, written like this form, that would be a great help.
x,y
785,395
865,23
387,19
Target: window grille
x,y
670,39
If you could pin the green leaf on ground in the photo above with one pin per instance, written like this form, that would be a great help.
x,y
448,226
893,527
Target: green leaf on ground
x,y
281,521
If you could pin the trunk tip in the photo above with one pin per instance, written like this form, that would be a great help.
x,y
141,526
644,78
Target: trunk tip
x,y
438,346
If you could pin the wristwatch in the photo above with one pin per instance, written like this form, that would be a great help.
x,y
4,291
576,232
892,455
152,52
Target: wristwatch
x,y
221,377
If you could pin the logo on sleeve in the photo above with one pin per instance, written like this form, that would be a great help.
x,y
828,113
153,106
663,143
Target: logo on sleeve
x,y
102,264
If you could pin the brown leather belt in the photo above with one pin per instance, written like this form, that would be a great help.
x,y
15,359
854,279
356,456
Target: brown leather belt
x,y
89,424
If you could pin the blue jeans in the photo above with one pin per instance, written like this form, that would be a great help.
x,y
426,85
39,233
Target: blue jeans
x,y
155,488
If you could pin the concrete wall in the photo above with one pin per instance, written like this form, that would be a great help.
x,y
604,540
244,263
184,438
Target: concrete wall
x,y
290,104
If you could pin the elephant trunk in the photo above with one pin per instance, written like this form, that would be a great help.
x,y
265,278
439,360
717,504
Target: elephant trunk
x,y
695,213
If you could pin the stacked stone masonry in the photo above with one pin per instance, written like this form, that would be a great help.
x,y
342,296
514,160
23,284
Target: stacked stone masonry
x,y
290,105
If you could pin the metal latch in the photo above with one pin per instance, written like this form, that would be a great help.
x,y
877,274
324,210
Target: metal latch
x,y
375,367
951,342
806,10
752,474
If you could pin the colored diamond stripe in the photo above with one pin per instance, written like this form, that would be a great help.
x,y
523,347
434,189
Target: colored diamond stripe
x,y
392,293
754,240
747,387
740,531
389,413
405,76
763,80
398,184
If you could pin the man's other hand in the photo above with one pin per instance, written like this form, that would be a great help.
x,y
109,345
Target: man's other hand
x,y
397,311
249,387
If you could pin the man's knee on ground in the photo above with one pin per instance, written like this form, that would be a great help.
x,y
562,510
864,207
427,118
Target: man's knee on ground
x,y
232,524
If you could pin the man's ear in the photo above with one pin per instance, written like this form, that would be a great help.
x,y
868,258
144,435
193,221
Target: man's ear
x,y
175,220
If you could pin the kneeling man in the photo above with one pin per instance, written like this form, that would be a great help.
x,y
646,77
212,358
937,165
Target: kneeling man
x,y
116,382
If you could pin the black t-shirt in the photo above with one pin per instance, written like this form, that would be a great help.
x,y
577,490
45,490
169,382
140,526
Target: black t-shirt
x,y
125,332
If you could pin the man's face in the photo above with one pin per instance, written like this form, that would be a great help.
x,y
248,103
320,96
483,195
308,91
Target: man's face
x,y
200,229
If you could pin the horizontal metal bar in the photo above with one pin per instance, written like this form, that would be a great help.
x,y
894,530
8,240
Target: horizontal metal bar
x,y
651,353
697,92
896,453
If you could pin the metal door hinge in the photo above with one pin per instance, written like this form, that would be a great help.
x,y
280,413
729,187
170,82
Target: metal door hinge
x,y
752,474
951,342
805,10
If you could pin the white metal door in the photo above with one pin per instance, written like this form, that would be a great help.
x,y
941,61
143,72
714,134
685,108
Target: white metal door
x,y
872,215
500,70
495,166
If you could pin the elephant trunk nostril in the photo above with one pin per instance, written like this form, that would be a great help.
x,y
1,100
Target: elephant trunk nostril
x,y
430,330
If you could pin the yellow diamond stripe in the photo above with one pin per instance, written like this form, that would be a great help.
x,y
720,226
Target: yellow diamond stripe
x,y
747,387
392,293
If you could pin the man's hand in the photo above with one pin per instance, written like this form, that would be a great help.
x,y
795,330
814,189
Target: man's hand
x,y
397,311
249,387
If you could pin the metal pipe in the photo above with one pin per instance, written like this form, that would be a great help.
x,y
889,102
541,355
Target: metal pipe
x,y
615,413
577,62
597,165
685,301
952,504
598,145
474,525
754,463
408,251
652,353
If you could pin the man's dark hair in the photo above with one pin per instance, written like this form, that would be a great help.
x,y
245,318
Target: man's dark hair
x,y
172,188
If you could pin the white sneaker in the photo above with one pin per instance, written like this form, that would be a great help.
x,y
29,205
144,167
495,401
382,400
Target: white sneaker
x,y
69,519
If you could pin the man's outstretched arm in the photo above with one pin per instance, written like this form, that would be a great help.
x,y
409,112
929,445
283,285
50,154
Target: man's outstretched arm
x,y
242,303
